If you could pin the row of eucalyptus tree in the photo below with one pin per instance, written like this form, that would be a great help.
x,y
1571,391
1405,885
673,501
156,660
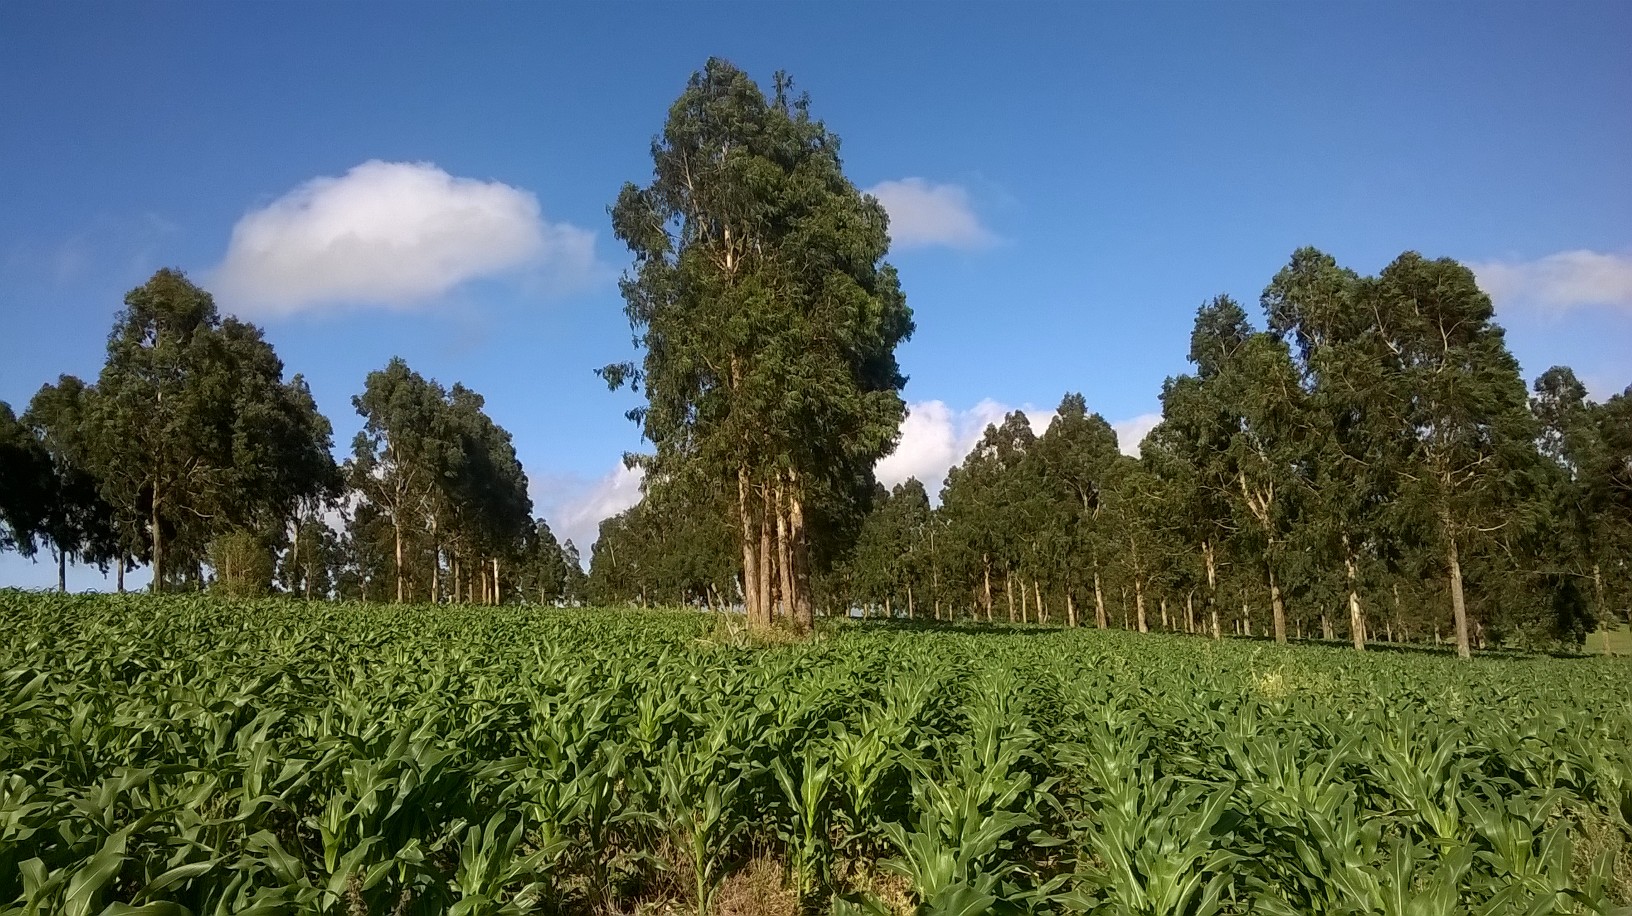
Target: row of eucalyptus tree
x,y
192,455
1366,466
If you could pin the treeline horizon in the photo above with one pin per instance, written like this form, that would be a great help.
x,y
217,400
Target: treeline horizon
x,y
1370,461
1060,527
1367,466
191,453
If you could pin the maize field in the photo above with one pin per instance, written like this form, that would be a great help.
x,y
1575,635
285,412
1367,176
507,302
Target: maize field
x,y
188,755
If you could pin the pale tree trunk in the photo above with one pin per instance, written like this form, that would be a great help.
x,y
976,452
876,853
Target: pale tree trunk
x,y
1164,614
402,582
1357,617
750,556
1023,601
1042,612
1190,612
1246,620
436,565
1459,607
498,596
804,612
1276,608
158,547
986,569
1325,627
1139,602
1070,609
767,561
1598,605
1008,590
1212,587
784,553
909,600
1100,617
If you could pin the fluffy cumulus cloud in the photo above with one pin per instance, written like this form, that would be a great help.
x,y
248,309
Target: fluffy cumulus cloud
x,y
392,234
1129,433
1566,280
576,506
924,214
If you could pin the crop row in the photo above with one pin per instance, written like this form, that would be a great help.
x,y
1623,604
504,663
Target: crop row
x,y
184,755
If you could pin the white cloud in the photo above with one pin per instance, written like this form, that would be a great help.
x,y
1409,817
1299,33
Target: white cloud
x,y
935,437
924,214
1568,279
392,234
1129,433
575,506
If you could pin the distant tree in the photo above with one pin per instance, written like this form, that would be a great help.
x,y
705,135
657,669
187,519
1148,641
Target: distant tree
x,y
192,431
75,521
25,482
1078,455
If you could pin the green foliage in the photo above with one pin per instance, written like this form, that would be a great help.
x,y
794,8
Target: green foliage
x,y
196,755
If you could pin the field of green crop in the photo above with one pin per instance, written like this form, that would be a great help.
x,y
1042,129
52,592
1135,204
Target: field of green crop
x,y
185,755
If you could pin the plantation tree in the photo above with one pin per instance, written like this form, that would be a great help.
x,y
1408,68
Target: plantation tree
x,y
193,433
74,519
309,569
1316,305
25,481
1453,391
1188,451
1133,502
1266,453
543,572
1581,440
768,318
980,502
400,455
1078,454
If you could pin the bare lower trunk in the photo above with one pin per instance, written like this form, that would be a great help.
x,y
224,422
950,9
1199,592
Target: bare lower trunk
x,y
1459,607
158,548
62,571
909,601
1598,604
784,553
767,562
1100,617
498,593
1357,617
402,585
1037,590
1139,603
804,612
986,571
750,556
1023,601
1165,625
1212,587
1190,612
1070,609
1246,620
120,577
1008,590
1276,609
436,568
1325,627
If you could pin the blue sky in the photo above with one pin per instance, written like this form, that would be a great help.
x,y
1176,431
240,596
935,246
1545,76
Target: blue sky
x,y
1067,182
